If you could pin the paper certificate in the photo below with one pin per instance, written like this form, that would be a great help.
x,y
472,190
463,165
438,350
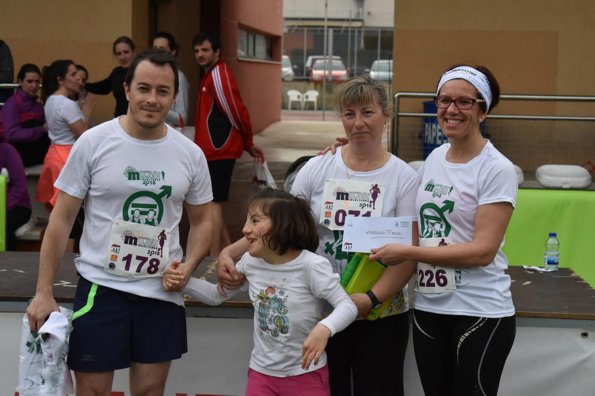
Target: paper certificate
x,y
361,234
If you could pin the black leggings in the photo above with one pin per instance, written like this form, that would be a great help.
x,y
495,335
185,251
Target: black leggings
x,y
371,354
461,355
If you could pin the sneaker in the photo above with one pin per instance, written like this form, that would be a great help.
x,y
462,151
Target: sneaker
x,y
22,230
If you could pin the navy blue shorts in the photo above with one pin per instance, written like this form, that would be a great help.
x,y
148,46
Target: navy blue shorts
x,y
221,171
112,328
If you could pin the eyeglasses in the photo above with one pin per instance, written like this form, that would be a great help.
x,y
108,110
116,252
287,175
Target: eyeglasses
x,y
444,102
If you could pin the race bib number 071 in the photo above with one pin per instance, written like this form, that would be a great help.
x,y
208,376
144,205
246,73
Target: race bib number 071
x,y
342,198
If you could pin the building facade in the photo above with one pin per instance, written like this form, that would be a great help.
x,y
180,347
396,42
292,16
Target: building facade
x,y
40,32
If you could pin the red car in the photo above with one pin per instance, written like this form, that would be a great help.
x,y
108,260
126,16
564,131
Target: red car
x,y
333,70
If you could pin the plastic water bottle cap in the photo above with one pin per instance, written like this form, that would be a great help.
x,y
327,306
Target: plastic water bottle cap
x,y
553,234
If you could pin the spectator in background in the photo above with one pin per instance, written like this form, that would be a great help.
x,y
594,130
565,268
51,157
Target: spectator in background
x,y
83,75
178,113
18,205
223,127
6,70
66,122
83,96
23,118
123,49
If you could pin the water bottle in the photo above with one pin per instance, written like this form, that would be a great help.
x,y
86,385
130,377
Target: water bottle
x,y
552,252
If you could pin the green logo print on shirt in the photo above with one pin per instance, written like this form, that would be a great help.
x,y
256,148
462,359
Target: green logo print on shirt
x,y
432,218
145,207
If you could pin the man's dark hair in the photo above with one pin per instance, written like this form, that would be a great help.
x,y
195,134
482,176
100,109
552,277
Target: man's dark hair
x,y
158,57
171,40
210,37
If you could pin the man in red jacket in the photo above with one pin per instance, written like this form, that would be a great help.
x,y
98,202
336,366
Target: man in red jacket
x,y
223,127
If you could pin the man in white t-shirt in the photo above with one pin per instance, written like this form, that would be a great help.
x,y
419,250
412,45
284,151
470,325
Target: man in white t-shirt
x,y
135,175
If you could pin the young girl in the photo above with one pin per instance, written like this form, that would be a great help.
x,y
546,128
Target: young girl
x,y
288,286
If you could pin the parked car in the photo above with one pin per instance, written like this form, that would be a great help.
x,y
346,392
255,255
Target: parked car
x,y
287,73
334,70
313,58
382,70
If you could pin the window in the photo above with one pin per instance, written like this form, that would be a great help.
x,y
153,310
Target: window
x,y
255,45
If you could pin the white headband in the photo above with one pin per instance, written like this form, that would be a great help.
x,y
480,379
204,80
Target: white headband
x,y
471,75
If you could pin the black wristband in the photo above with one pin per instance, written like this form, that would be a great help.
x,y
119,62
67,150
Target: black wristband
x,y
376,303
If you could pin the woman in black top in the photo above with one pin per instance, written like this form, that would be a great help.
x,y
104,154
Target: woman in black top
x,y
123,49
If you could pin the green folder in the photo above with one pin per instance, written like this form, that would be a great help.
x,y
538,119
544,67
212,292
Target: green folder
x,y
360,275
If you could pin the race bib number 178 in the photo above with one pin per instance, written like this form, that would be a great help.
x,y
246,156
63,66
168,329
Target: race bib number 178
x,y
137,250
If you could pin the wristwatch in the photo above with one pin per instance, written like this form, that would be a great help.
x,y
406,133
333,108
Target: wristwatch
x,y
376,303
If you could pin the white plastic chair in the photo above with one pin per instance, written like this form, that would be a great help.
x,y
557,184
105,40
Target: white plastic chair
x,y
293,95
311,96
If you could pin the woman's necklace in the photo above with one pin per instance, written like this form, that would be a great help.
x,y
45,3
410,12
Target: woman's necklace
x,y
377,163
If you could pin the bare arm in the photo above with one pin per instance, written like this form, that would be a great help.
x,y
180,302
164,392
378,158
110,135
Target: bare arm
x,y
52,251
78,127
199,237
227,275
490,225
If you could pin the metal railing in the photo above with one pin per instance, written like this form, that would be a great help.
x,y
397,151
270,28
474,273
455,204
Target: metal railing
x,y
394,143
7,86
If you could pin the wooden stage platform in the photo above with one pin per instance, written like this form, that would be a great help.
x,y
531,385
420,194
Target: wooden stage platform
x,y
554,295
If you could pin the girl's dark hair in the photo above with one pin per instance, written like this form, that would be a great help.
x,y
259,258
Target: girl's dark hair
x,y
494,86
125,40
292,224
171,41
27,68
51,74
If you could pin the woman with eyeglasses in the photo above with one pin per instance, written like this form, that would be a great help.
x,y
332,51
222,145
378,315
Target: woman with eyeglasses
x,y
464,323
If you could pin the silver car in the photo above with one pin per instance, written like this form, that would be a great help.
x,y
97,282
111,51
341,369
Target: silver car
x,y
287,73
382,70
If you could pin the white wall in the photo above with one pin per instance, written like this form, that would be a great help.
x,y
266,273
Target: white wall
x,y
375,13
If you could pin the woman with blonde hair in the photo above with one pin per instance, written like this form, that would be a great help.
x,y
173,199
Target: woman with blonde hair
x,y
367,358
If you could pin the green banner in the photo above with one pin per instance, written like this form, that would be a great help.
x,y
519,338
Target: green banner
x,y
570,213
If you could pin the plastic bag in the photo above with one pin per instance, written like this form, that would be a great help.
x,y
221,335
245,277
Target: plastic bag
x,y
262,176
42,369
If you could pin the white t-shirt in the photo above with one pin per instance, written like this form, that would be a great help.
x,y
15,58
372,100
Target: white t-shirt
x,y
447,201
289,300
122,178
60,113
180,105
398,181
